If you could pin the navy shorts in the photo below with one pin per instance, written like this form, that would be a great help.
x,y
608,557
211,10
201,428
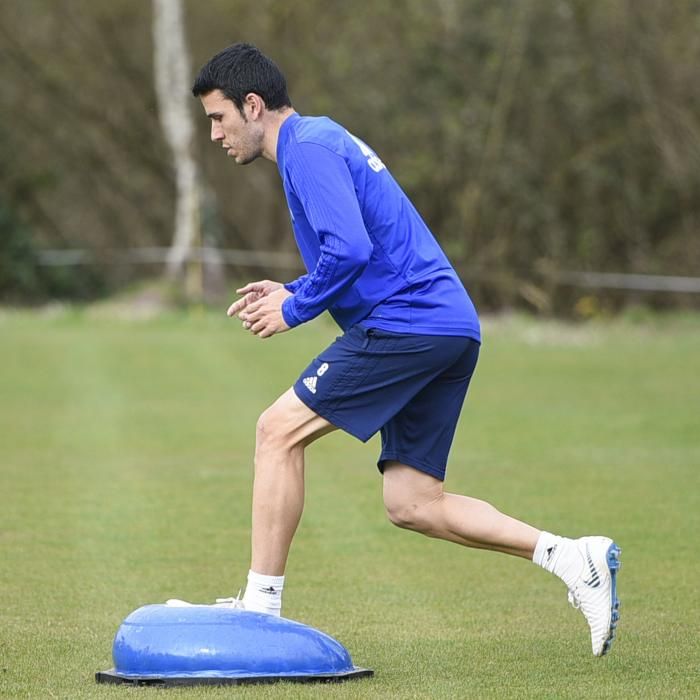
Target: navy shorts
x,y
411,387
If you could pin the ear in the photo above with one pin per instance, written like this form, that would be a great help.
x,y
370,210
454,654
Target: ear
x,y
255,105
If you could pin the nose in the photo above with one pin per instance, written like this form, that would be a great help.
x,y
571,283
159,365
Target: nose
x,y
217,133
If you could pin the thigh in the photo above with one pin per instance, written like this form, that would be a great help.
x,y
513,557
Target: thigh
x,y
404,484
421,434
293,421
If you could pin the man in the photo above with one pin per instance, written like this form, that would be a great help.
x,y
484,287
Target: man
x,y
410,345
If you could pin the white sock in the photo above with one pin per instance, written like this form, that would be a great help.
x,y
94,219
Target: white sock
x,y
263,593
557,555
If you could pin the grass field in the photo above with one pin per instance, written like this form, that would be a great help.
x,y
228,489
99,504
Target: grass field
x,y
125,478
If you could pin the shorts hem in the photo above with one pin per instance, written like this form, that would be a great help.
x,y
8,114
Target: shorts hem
x,y
437,472
328,415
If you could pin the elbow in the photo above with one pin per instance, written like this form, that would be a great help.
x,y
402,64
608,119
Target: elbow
x,y
361,253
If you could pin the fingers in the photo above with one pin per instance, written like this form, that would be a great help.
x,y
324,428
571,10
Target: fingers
x,y
260,313
239,305
255,328
266,333
259,327
260,304
253,291
263,329
243,303
251,287
234,309
255,306
260,323
252,317
261,287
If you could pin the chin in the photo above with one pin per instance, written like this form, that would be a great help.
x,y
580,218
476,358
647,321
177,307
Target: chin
x,y
244,160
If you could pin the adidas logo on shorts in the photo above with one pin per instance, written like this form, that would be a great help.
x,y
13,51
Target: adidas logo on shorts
x,y
310,383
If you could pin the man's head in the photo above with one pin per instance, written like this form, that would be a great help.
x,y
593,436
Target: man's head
x,y
239,70
242,92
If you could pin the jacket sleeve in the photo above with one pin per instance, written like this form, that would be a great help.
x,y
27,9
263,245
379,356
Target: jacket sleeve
x,y
295,284
322,182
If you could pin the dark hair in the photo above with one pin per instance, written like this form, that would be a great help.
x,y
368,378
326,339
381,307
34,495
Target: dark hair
x,y
240,69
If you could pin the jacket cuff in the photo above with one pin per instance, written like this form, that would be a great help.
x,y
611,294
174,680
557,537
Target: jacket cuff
x,y
288,313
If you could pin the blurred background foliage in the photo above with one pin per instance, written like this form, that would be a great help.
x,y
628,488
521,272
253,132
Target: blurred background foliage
x,y
535,136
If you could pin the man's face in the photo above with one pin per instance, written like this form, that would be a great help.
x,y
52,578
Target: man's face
x,y
241,136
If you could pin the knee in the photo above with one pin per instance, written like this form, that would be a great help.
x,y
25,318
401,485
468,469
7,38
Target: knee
x,y
407,514
270,432
412,499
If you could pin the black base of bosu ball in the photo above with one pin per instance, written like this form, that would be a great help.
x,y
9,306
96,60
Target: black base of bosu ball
x,y
112,677
162,645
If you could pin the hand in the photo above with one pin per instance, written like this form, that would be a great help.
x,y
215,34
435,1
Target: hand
x,y
263,317
252,292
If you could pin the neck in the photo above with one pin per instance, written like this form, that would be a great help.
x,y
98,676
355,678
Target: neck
x,y
272,131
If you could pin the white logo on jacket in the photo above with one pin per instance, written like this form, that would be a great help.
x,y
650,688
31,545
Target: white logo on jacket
x,y
372,158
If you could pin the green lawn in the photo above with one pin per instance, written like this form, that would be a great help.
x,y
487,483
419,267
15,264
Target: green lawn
x,y
125,479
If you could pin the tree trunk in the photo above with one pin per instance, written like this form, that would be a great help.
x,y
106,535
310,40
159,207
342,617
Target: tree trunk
x,y
172,82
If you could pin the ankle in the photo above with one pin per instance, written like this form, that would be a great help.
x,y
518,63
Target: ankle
x,y
263,593
559,556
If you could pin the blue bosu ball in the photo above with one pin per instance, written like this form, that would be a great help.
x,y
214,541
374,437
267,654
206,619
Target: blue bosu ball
x,y
162,644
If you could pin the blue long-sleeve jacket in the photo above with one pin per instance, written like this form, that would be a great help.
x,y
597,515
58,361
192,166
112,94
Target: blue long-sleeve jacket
x,y
371,258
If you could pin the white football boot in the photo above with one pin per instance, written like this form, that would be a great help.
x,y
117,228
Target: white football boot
x,y
593,588
236,602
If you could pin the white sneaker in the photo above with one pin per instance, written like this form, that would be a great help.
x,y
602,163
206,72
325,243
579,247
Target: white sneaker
x,y
236,602
594,591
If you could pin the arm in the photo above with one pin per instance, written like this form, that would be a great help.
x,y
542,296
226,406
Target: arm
x,y
322,182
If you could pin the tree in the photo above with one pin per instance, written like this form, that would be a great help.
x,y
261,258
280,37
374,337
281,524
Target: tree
x,y
172,80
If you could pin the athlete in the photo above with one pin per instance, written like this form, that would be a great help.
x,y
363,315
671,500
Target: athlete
x,y
402,367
